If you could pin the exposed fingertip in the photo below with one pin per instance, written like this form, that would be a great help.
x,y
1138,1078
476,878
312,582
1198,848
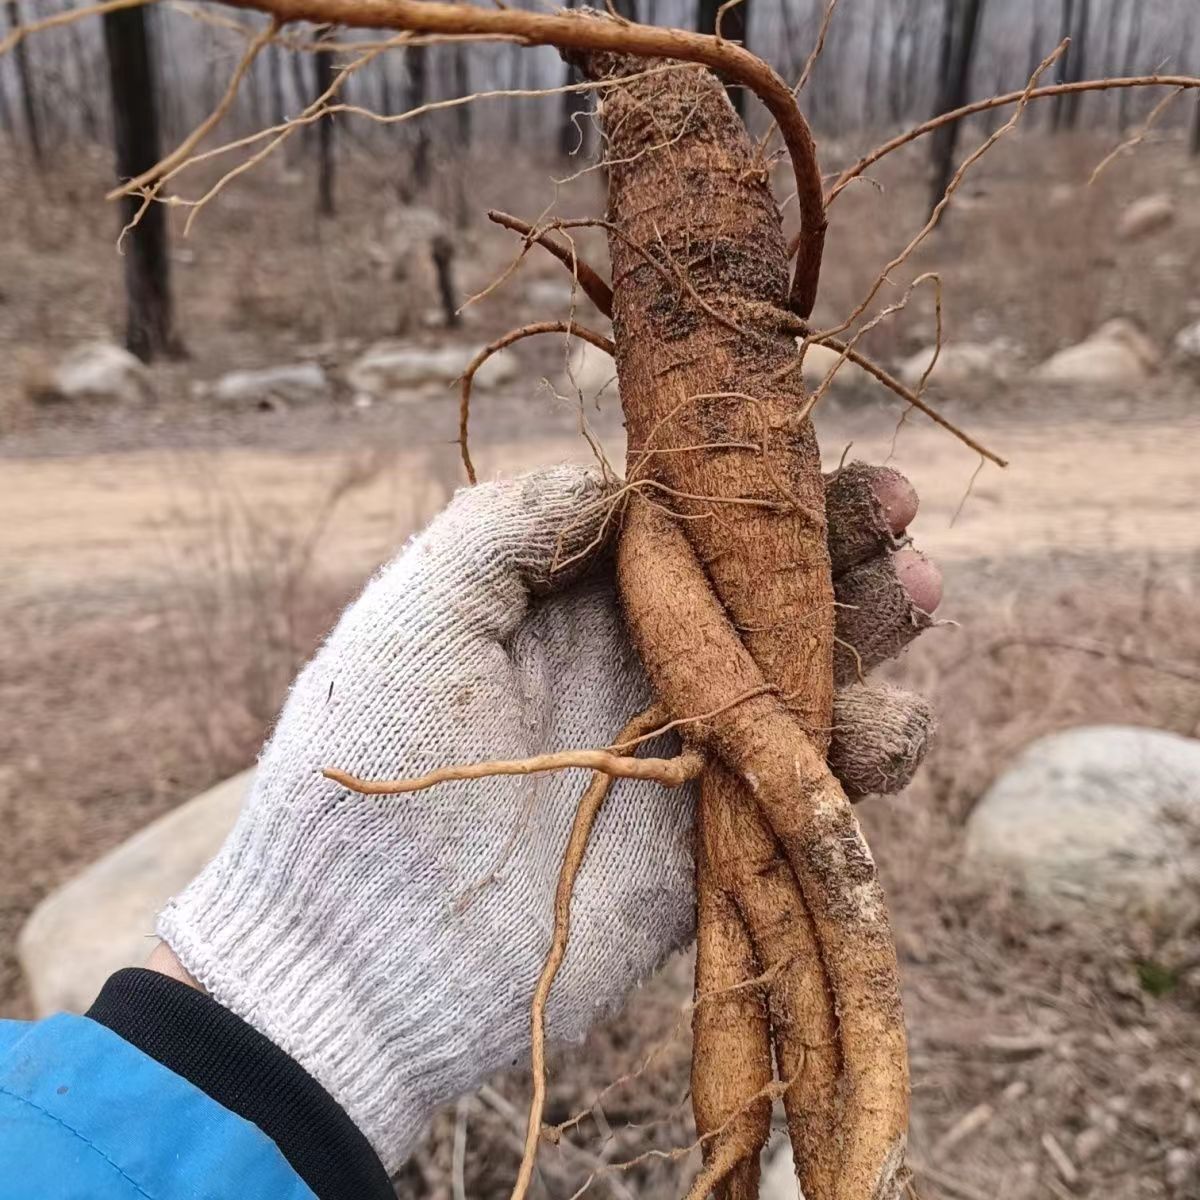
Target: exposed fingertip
x,y
897,497
920,578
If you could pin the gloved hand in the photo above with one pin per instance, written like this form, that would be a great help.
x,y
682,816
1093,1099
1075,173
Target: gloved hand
x,y
391,944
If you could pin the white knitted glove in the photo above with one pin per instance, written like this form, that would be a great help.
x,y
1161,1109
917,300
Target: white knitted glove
x,y
391,945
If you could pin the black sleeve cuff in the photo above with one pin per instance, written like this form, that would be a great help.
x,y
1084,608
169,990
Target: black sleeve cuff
x,y
192,1035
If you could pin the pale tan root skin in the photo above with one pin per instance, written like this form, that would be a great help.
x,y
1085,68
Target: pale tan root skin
x,y
678,622
741,589
730,1025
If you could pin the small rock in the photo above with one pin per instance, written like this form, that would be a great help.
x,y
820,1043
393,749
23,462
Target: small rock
x,y
1146,216
960,363
1187,345
1097,819
298,383
1117,353
398,370
103,919
97,372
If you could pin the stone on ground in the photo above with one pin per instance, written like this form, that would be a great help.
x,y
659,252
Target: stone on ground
x,y
1187,345
404,371
267,387
1101,819
1118,353
960,363
1146,216
103,919
96,372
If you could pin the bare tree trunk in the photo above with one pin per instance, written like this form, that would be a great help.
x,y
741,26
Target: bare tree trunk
x,y
1078,63
462,87
1036,54
1063,71
734,26
871,85
572,135
442,250
6,117
963,18
1196,128
83,76
326,166
33,129
149,329
417,94
275,85
1133,42
895,86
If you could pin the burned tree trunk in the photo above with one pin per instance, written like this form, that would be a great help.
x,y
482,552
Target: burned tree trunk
x,y
958,52
1063,73
1078,63
1133,42
29,105
149,330
416,94
572,135
326,163
734,26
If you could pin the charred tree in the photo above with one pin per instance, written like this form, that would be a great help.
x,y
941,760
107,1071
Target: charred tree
x,y
326,164
462,87
572,135
275,85
1133,43
1063,72
1077,67
29,105
734,26
150,327
959,37
416,94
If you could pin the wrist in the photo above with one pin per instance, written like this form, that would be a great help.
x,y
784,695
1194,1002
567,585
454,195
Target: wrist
x,y
163,960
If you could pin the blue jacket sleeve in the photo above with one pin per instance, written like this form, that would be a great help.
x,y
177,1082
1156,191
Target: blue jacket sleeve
x,y
84,1115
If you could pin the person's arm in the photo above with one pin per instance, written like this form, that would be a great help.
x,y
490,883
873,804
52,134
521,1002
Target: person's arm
x,y
159,1093
366,959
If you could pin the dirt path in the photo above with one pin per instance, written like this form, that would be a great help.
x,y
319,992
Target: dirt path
x,y
95,524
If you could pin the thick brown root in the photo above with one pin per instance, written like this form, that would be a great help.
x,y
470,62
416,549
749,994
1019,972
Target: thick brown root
x,y
750,868
731,1036
693,656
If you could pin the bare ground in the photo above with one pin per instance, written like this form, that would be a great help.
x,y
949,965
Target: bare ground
x,y
167,568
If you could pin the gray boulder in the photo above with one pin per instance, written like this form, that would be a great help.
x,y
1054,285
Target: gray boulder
x,y
103,919
97,373
1105,818
402,370
1187,345
296,383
